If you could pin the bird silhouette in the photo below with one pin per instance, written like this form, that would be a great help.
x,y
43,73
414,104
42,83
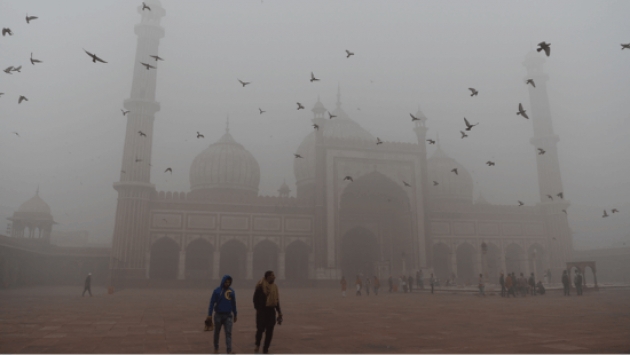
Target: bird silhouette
x,y
316,126
414,118
406,183
468,125
614,210
531,82
33,60
605,214
431,141
490,163
199,135
565,211
625,46
243,82
6,31
124,112
8,70
561,195
30,18
348,178
1,93
550,197
520,203
521,111
17,69
331,116
17,134
543,46
148,66
22,98
378,141
300,107
348,53
156,57
435,183
464,135
454,170
145,7
541,151
261,111
313,78
142,134
473,92
298,156
138,160
95,58
169,170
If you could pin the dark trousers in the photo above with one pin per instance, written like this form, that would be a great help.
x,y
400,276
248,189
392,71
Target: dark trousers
x,y
578,289
511,292
265,322
567,290
503,290
88,289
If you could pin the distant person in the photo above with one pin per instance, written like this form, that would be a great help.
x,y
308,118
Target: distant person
x,y
390,282
359,285
522,284
566,283
502,283
482,286
578,282
532,284
509,286
377,285
223,304
432,282
344,285
88,285
368,284
403,284
267,304
410,282
540,288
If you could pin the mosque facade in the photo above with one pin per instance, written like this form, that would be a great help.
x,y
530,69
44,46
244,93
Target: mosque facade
x,y
390,220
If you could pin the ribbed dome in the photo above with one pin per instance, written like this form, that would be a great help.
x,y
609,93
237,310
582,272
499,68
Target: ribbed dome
x,y
225,165
35,206
451,187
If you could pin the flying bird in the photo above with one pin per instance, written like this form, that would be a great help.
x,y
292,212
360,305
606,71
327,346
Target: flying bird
x,y
406,183
605,214
468,125
316,126
17,69
6,31
138,160
464,135
473,92
331,116
1,93
521,111
625,46
454,170
144,6
561,195
435,183
94,57
565,211
300,107
431,141
378,141
614,210
30,18
348,178
9,70
541,151
298,156
17,134
142,134
414,118
550,197
490,163
22,98
543,46
520,203
156,58
530,81
33,61
261,111
244,82
199,135
124,112
148,66
348,53
313,78
169,170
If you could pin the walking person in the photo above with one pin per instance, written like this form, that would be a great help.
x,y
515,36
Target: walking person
x,y
223,304
267,304
368,283
344,285
432,281
403,284
88,285
578,282
359,285
502,283
377,285
419,282
509,286
566,283
481,286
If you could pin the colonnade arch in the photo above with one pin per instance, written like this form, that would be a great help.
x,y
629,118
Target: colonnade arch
x,y
164,259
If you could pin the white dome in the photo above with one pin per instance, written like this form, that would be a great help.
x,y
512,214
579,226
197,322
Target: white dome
x,y
35,206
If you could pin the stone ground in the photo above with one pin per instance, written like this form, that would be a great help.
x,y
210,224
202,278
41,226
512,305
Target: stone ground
x,y
59,320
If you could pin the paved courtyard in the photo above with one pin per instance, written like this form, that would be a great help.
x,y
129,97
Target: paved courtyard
x,y
59,320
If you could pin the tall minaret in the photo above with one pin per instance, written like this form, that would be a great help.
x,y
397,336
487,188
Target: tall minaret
x,y
549,181
425,257
131,231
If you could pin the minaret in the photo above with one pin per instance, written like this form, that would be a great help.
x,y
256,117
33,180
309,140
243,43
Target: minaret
x,y
131,232
549,179
424,244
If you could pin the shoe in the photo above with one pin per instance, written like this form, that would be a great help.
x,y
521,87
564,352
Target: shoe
x,y
216,351
257,349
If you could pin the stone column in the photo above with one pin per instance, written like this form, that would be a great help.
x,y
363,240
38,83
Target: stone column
x,y
216,262
181,274
281,266
249,266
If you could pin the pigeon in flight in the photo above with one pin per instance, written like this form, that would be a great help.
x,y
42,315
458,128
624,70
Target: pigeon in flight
x,y
614,210
30,18
199,135
468,125
244,82
348,53
490,163
144,6
454,170
378,141
550,197
541,151
142,134
543,46
22,98
605,214
17,69
316,126
33,60
625,46
94,57
431,141
6,31
261,111
331,116
530,81
520,203
124,112
313,78
300,107
9,70
565,211
1,93
298,156
138,160
17,134
521,111
156,57
464,135
406,183
414,118
435,183
348,178
148,66
561,195
473,92
168,170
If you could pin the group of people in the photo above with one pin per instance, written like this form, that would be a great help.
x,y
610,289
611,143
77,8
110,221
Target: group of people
x,y
577,281
373,284
513,285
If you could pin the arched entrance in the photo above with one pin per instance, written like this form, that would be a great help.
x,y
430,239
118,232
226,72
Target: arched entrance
x,y
199,254
441,261
296,262
515,259
164,259
466,264
265,258
233,260
359,253
493,262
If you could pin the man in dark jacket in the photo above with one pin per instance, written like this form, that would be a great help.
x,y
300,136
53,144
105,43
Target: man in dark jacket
x,y
266,303
566,283
223,304
88,285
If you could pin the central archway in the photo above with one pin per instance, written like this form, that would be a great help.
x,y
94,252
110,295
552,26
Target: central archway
x,y
359,253
199,259
265,258
164,259
233,260
296,262
466,261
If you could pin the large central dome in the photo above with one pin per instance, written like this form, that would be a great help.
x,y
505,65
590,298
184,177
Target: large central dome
x,y
225,168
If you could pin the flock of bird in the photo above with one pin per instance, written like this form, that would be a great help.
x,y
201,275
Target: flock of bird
x,y
542,46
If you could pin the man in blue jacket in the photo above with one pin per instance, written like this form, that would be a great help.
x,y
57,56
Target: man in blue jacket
x,y
223,303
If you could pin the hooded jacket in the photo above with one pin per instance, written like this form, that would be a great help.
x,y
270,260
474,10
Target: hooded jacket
x,y
223,300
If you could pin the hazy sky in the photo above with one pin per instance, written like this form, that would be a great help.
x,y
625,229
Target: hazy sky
x,y
408,54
